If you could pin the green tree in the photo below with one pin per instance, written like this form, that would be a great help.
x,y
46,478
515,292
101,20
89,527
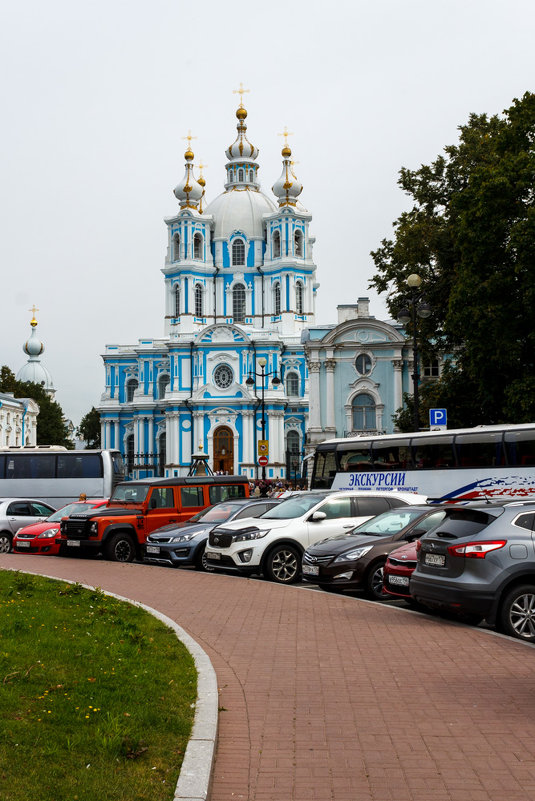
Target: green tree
x,y
89,428
470,234
51,426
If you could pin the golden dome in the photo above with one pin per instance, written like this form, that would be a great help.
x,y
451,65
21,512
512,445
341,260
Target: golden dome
x,y
241,113
286,152
188,155
201,181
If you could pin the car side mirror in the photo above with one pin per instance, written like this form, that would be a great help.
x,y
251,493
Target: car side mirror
x,y
317,517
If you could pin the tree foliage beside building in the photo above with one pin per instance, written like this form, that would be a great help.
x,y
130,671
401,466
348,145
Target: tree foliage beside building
x,y
52,428
89,429
470,235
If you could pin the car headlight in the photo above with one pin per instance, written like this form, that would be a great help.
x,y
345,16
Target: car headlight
x,y
184,537
357,553
48,534
250,535
93,528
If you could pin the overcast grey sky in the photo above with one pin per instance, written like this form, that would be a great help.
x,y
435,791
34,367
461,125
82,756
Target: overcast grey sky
x,y
97,96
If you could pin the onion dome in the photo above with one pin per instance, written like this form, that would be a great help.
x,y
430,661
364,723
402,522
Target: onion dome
x,y
202,183
188,192
241,148
287,188
33,370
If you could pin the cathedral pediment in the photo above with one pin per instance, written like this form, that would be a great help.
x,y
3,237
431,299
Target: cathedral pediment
x,y
222,334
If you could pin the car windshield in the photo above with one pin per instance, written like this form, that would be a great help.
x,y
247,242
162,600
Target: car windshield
x,y
389,522
71,508
293,507
130,493
218,513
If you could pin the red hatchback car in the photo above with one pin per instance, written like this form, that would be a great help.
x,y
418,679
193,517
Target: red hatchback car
x,y
40,538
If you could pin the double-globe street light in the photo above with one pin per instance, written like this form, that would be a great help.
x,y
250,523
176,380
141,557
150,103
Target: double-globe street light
x,y
251,381
416,308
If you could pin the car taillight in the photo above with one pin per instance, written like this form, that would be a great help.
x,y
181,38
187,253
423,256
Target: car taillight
x,y
418,546
476,550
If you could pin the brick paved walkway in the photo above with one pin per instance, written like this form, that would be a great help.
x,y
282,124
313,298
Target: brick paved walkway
x,y
331,698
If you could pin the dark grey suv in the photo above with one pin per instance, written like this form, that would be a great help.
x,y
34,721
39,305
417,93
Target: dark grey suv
x,y
479,563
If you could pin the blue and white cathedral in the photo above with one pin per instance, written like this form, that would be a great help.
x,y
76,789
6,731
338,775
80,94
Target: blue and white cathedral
x,y
240,287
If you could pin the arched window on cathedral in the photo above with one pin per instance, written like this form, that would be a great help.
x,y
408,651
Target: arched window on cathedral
x,y
364,417
276,245
131,386
163,383
238,252
251,176
230,176
292,454
240,176
238,303
197,246
176,247
177,300
292,385
298,244
199,297
277,298
299,297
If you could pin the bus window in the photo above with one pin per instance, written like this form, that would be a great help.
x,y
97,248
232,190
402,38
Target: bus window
x,y
78,464
324,468
354,457
433,452
221,492
392,455
520,447
2,466
30,465
479,450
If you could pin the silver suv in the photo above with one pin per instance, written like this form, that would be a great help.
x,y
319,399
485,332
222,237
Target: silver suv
x,y
479,564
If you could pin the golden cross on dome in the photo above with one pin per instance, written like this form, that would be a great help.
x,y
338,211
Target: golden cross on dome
x,y
189,137
241,91
201,166
33,321
286,133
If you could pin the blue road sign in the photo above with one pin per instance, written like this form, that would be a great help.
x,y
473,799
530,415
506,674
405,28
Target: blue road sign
x,y
438,417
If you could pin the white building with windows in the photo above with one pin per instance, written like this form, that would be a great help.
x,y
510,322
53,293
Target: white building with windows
x,y
359,371
240,288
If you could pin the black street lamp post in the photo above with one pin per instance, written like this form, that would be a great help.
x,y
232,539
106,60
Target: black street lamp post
x,y
418,308
250,381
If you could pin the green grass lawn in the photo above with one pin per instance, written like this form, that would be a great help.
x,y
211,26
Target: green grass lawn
x,y
96,696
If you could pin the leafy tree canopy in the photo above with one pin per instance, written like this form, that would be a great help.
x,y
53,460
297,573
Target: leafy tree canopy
x,y
51,426
470,235
89,428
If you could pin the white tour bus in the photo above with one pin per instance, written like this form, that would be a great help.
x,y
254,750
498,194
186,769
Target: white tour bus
x,y
57,475
453,465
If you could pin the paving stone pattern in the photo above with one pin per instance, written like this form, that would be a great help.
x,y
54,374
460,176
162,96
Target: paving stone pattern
x,y
335,699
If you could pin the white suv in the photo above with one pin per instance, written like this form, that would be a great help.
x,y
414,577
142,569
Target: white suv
x,y
274,543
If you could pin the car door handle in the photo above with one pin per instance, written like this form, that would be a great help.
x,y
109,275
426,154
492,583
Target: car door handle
x,y
349,525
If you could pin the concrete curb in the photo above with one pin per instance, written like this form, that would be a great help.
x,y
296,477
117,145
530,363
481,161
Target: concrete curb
x,y
196,772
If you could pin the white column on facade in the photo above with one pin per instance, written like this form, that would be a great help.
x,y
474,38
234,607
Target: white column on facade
x,y
314,396
151,448
171,437
116,433
141,434
248,437
102,434
398,386
107,434
330,365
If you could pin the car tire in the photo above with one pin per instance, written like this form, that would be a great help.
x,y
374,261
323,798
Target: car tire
x,y
5,542
283,564
374,582
120,548
201,562
517,613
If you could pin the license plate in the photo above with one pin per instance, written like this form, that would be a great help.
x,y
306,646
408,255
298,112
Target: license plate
x,y
311,570
73,543
212,555
435,559
152,549
400,581
22,544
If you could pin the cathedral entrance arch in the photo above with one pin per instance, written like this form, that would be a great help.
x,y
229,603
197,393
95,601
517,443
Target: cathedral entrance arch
x,y
223,450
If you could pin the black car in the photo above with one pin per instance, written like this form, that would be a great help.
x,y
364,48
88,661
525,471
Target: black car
x,y
184,544
355,561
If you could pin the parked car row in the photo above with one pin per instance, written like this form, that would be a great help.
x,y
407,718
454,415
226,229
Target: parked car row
x,y
475,561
